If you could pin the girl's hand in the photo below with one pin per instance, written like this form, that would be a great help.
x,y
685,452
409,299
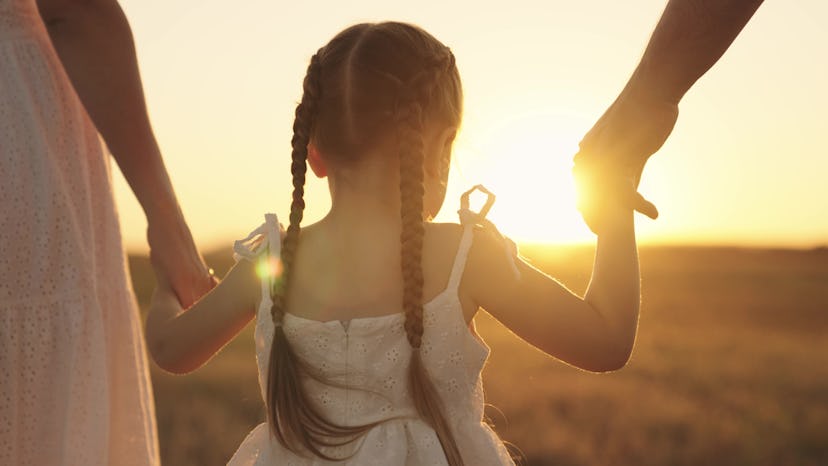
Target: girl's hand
x,y
177,262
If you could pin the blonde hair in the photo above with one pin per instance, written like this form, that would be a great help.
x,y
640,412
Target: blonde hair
x,y
369,83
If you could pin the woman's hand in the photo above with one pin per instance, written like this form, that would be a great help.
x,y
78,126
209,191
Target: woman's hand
x,y
176,260
180,339
163,297
633,128
616,149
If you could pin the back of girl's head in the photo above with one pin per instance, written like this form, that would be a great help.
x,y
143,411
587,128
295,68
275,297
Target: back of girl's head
x,y
373,86
368,74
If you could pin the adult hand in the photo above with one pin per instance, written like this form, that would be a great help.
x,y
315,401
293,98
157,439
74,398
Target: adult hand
x,y
163,296
613,153
176,260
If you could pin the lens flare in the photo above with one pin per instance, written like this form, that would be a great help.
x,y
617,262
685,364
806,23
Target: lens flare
x,y
269,267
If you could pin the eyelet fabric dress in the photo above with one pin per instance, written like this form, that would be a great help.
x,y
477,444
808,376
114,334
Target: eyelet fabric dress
x,y
364,363
74,380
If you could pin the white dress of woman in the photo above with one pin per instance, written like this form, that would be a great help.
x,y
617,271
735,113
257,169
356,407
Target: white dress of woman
x,y
74,379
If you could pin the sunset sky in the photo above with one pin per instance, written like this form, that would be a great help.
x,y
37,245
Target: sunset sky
x,y
746,164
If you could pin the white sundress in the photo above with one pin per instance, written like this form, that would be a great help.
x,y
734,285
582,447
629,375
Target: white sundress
x,y
74,380
370,356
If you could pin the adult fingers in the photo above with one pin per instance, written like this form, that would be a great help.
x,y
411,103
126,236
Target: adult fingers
x,y
640,204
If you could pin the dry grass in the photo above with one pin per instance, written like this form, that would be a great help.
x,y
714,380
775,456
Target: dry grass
x,y
730,368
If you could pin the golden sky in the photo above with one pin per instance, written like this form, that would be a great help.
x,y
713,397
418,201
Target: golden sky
x,y
746,164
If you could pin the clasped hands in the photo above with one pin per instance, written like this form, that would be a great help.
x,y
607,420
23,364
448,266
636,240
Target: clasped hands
x,y
179,268
612,155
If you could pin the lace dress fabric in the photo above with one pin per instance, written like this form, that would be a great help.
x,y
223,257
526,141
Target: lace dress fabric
x,y
370,357
74,381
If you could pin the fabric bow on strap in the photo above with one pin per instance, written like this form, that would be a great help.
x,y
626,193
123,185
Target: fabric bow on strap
x,y
470,218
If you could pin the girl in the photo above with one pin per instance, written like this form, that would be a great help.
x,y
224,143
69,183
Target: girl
x,y
365,339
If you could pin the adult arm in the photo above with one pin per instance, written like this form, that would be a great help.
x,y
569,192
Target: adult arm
x,y
95,45
688,40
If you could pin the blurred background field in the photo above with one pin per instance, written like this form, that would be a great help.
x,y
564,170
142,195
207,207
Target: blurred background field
x,y
730,368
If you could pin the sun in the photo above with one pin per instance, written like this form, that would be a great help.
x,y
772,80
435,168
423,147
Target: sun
x,y
526,160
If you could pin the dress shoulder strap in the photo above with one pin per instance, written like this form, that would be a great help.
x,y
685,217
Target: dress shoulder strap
x,y
267,237
461,257
469,219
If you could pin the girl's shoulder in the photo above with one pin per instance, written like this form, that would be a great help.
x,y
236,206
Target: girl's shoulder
x,y
440,248
447,233
487,255
485,242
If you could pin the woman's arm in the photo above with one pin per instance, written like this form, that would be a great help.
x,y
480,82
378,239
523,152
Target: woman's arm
x,y
95,45
596,332
688,40
181,341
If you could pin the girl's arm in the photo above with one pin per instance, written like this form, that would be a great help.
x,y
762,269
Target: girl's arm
x,y
595,332
181,341
95,46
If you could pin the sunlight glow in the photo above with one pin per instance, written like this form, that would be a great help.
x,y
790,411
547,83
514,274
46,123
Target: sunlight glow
x,y
535,79
526,161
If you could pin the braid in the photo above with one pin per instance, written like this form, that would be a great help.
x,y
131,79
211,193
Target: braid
x,y
293,420
413,97
409,116
411,208
302,127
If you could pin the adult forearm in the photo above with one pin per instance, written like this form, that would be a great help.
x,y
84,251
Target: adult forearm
x,y
94,42
688,40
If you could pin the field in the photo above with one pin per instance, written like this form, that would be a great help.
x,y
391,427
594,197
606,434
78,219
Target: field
x,y
730,368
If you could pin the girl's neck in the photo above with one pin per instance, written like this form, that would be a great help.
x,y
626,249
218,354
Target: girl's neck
x,y
365,198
